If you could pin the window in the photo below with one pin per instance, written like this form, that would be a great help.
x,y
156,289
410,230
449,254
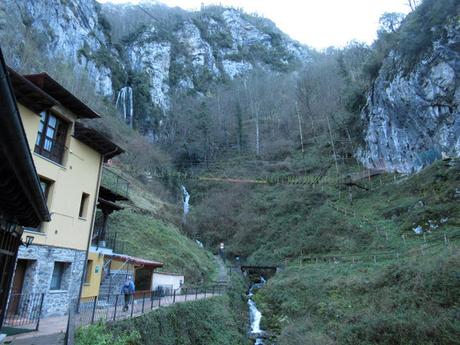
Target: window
x,y
46,185
57,280
51,137
46,188
89,268
84,205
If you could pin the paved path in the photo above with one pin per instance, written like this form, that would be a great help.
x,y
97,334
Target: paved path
x,y
52,330
223,275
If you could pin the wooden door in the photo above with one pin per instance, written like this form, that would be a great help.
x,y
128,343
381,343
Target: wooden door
x,y
16,288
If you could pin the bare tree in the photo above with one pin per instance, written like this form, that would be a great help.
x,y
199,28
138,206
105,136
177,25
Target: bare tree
x,y
413,4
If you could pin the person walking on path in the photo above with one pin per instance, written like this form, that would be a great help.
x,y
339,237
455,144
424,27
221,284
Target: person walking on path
x,y
128,289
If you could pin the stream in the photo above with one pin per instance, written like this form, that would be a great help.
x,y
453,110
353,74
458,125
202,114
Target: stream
x,y
255,315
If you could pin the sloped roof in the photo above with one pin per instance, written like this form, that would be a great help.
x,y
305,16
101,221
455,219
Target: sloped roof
x,y
136,260
61,94
29,94
96,140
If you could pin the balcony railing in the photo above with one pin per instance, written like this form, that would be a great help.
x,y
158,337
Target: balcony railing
x,y
54,151
116,245
115,182
110,241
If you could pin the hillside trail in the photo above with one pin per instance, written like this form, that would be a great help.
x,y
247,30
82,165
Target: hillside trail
x,y
223,274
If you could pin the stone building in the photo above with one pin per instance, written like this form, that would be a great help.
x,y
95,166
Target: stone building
x,y
69,162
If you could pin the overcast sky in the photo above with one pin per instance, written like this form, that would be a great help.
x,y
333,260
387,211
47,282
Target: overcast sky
x,y
317,23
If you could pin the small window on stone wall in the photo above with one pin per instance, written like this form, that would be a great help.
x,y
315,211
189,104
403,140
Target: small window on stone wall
x,y
61,273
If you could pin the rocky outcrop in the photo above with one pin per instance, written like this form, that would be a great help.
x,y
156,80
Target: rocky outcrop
x,y
62,30
151,57
201,48
413,117
183,52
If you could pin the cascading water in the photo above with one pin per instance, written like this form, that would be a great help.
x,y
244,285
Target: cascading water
x,y
255,315
185,202
124,104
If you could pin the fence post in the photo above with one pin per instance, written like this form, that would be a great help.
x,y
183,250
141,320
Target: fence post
x,y
196,294
174,297
404,239
213,289
151,299
115,311
94,309
70,332
446,240
204,292
132,305
143,302
159,300
375,259
40,311
185,294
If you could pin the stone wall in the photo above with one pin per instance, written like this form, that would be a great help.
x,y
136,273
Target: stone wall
x,y
39,272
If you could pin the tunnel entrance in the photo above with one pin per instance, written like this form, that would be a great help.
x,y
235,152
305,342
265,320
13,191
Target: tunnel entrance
x,y
254,273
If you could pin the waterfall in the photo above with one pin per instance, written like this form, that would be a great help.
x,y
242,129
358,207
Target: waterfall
x,y
185,202
255,315
124,104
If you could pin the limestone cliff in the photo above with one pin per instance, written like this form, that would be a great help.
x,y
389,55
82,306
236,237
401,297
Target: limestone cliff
x,y
60,30
413,113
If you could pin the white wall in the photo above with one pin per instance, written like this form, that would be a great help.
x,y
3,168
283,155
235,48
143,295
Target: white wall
x,y
165,279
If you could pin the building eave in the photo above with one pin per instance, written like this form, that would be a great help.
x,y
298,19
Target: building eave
x,y
61,94
21,198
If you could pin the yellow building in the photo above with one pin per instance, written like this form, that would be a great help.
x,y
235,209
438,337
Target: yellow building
x,y
108,268
69,159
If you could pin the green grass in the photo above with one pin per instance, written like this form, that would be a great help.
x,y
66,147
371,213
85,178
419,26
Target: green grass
x,y
408,301
412,302
145,236
216,321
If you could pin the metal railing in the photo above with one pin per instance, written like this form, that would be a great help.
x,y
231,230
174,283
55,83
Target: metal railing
x,y
115,182
116,307
112,243
24,311
54,151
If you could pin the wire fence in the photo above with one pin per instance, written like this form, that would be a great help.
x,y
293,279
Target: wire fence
x,y
119,306
424,249
406,240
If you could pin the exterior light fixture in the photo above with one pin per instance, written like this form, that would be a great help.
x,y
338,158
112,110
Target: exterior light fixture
x,y
28,242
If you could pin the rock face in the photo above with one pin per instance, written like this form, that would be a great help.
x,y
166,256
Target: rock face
x,y
413,117
201,48
153,57
62,30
